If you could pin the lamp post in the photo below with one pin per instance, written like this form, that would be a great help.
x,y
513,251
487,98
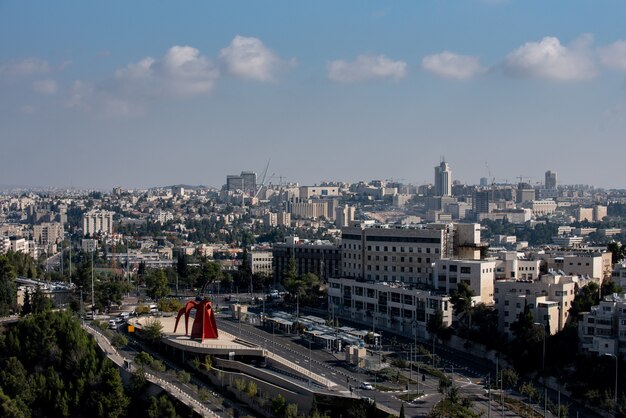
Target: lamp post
x,y
615,395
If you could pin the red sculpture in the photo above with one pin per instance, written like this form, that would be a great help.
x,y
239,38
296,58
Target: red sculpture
x,y
204,325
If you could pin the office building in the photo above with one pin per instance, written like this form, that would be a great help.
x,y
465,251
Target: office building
x,y
320,257
550,182
603,329
249,181
385,253
443,179
387,306
344,216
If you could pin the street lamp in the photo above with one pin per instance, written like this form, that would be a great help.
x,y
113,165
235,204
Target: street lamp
x,y
615,396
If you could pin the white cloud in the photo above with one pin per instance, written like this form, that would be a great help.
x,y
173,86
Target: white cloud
x,y
614,55
450,65
366,67
248,57
47,86
24,68
181,72
551,60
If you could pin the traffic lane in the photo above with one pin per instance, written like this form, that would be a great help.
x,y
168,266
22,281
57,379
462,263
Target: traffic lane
x,y
283,346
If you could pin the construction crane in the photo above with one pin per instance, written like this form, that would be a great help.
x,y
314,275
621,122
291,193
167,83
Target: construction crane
x,y
263,178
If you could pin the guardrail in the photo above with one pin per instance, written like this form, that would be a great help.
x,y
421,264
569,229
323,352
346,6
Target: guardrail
x,y
319,379
174,390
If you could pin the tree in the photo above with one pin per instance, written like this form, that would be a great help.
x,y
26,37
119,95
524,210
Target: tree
x,y
617,251
509,378
40,302
585,298
162,408
251,389
402,411
157,285
436,327
8,290
279,405
26,307
462,302
153,330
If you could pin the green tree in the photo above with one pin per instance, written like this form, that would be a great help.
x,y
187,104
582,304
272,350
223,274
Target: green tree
x,y
156,284
462,303
279,405
40,301
8,289
509,378
436,327
162,408
585,298
251,389
617,251
402,411
153,330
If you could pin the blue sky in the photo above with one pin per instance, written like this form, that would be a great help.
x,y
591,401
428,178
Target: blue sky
x,y
145,93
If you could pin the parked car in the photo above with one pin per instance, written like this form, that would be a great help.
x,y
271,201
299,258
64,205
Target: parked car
x,y
113,324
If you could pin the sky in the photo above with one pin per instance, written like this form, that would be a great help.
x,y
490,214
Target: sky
x,y
98,94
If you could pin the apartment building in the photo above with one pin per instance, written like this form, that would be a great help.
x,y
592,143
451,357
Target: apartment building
x,y
479,275
387,306
589,264
260,261
385,253
548,298
603,329
48,233
97,222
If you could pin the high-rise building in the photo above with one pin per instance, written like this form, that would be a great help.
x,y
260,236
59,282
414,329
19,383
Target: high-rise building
x,y
443,179
233,183
249,181
550,180
97,221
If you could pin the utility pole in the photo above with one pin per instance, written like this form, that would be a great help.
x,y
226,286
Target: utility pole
x,y
70,260
93,299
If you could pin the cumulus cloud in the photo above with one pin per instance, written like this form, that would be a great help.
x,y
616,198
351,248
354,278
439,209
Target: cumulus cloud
x,y
614,55
248,57
182,71
366,67
450,65
47,86
24,67
550,59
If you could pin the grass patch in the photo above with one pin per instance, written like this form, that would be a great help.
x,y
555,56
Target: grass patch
x,y
520,408
410,397
382,388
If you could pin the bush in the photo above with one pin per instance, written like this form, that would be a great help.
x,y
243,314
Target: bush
x,y
119,340
183,376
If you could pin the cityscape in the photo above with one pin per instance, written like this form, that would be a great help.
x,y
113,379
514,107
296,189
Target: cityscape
x,y
329,209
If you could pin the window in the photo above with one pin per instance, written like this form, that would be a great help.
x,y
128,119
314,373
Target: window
x,y
453,268
466,270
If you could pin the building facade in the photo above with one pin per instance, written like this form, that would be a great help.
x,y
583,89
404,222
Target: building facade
x,y
388,306
97,222
320,257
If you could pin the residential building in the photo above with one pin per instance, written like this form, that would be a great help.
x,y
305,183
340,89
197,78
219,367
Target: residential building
x,y
479,275
308,192
603,329
48,233
387,306
260,261
548,299
97,222
588,264
344,215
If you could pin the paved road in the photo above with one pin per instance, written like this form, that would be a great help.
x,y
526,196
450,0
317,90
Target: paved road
x,y
182,392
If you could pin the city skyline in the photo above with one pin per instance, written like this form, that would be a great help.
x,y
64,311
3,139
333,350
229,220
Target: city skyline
x,y
142,95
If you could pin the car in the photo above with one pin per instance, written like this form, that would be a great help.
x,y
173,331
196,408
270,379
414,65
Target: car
x,y
112,324
367,386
